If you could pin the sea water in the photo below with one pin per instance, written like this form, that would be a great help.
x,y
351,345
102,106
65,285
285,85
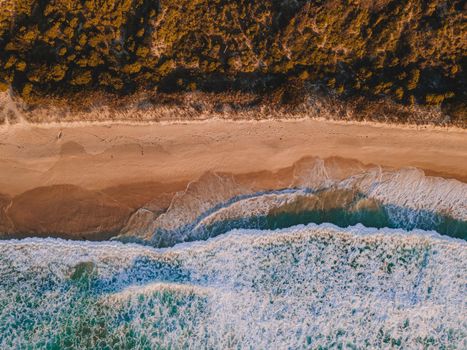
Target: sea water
x,y
381,263
315,286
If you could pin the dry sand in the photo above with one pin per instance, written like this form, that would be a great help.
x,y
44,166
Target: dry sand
x,y
79,181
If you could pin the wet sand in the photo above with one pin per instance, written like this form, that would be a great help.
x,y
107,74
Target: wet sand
x,y
85,181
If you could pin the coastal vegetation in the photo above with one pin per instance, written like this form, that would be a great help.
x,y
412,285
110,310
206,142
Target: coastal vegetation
x,y
412,52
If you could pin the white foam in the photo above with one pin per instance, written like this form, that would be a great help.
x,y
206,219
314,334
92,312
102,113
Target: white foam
x,y
410,188
305,286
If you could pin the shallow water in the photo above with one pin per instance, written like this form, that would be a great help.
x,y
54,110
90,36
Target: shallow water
x,y
317,193
282,209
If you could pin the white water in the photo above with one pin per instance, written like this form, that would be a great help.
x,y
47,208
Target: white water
x,y
297,288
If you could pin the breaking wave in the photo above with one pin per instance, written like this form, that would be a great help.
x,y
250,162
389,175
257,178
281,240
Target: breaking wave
x,y
315,286
314,191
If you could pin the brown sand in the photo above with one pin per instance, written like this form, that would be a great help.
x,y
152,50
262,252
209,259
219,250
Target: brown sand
x,y
111,170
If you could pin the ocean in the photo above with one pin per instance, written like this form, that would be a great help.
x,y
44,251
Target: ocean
x,y
357,264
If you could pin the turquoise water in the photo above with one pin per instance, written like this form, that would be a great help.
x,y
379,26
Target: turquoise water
x,y
379,218
299,288
301,207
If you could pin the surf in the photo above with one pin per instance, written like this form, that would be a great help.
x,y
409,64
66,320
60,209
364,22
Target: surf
x,y
306,286
327,255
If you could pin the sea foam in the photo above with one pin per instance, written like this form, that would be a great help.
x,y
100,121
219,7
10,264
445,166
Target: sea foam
x,y
302,287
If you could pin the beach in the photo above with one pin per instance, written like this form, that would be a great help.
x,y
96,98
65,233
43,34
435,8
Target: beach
x,y
75,178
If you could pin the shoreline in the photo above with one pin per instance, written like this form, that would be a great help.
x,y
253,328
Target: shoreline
x,y
102,174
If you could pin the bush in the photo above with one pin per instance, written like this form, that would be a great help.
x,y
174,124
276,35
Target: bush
x,y
356,47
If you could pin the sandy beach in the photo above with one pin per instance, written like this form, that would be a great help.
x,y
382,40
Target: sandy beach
x,y
93,177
